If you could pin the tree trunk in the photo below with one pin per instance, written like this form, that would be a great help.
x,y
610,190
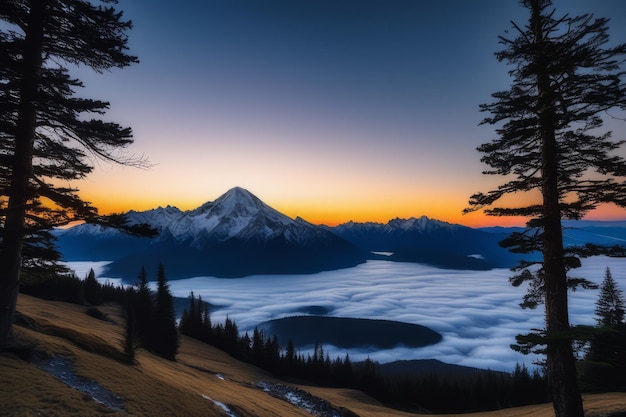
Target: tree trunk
x,y
22,170
566,398
560,357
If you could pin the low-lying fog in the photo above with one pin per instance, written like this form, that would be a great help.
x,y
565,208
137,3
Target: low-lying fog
x,y
477,312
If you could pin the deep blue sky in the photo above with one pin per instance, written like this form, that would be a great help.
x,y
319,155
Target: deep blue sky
x,y
331,110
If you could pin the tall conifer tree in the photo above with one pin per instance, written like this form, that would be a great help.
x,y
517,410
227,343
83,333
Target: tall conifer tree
x,y
604,365
93,289
165,335
141,300
47,134
550,146
610,307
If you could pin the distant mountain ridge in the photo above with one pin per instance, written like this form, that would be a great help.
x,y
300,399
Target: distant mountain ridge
x,y
429,241
239,235
235,235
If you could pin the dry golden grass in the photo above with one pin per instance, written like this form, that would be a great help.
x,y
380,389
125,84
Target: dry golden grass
x,y
157,387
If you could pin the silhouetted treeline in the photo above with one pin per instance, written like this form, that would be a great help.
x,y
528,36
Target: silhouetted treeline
x,y
150,317
71,289
480,391
483,390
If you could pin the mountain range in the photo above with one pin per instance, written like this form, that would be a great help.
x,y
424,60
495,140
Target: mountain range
x,y
429,241
239,235
236,235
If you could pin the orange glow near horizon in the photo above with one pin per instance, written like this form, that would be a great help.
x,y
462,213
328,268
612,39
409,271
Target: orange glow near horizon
x,y
305,190
349,209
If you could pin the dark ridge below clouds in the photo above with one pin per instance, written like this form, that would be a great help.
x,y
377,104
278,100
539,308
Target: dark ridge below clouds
x,y
344,332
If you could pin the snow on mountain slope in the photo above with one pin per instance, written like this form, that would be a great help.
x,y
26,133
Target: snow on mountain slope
x,y
238,235
235,235
237,213
87,230
159,217
422,224
430,241
400,232
240,215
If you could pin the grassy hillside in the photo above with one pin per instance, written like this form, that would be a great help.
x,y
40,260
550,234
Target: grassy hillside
x,y
202,382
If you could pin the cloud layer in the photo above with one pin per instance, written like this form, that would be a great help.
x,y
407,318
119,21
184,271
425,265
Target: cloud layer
x,y
477,312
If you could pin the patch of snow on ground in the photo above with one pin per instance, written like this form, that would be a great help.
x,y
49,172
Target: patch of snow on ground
x,y
220,405
301,399
61,368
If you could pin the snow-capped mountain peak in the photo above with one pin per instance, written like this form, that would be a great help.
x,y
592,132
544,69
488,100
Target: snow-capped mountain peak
x,y
236,214
238,234
158,217
236,201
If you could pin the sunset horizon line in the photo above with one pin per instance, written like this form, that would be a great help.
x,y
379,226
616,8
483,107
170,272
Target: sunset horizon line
x,y
324,216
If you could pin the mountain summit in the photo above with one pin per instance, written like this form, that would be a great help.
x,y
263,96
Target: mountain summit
x,y
235,235
238,214
235,202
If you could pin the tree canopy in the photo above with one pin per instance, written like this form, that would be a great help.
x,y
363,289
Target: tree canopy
x,y
45,40
551,148
50,136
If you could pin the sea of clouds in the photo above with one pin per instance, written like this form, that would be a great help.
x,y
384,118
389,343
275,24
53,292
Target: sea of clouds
x,y
477,312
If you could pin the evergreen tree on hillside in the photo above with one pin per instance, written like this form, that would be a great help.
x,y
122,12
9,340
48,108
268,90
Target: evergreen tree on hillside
x,y
93,289
290,354
165,341
196,322
48,136
188,325
604,365
258,347
141,300
272,353
206,327
610,304
551,148
231,337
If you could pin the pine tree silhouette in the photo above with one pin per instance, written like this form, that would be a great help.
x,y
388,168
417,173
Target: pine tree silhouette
x,y
165,341
610,305
93,289
141,300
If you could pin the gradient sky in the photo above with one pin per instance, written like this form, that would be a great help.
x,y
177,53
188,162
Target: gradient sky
x,y
329,110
